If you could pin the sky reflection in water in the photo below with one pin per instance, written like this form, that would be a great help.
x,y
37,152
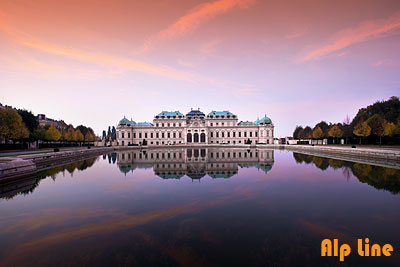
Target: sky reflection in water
x,y
210,207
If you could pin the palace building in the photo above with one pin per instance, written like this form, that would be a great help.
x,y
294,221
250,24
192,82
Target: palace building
x,y
174,128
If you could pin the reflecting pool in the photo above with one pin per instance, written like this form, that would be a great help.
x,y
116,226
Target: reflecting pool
x,y
199,207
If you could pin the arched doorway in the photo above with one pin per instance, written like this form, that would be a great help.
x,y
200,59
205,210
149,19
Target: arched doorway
x,y
189,137
196,138
202,137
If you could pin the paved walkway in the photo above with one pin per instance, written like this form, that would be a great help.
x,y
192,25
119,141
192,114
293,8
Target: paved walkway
x,y
15,153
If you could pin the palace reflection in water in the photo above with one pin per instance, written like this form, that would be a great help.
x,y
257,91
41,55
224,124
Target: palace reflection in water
x,y
195,162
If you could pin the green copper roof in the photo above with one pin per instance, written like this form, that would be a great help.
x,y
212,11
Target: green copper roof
x,y
169,114
125,121
264,120
144,124
221,113
246,123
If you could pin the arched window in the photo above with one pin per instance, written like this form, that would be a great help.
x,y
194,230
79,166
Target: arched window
x,y
189,137
196,138
202,137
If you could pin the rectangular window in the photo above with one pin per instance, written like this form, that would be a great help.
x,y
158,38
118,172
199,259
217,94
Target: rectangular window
x,y
168,135
180,135
251,134
162,135
216,134
233,134
256,133
245,134
211,134
145,135
157,136
123,135
222,134
134,135
228,134
174,134
240,134
140,135
211,124
222,124
151,135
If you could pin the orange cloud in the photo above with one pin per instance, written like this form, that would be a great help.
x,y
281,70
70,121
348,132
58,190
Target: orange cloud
x,y
104,60
367,30
108,61
197,16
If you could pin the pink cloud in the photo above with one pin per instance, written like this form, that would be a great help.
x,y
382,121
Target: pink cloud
x,y
196,17
383,62
367,30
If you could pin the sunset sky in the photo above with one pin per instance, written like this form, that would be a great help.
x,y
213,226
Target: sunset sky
x,y
299,62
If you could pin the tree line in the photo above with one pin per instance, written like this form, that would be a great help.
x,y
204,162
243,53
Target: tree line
x,y
372,124
22,125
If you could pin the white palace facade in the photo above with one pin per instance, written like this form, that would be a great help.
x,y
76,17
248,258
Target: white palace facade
x,y
174,128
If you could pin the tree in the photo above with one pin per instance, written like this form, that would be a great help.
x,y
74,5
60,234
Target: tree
x,y
11,125
103,135
389,110
39,134
78,136
317,133
297,132
362,130
306,133
376,122
29,119
113,134
83,129
90,137
335,132
324,127
52,134
389,129
347,128
70,134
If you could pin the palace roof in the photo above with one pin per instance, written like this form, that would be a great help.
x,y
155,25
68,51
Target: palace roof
x,y
195,113
221,114
127,122
169,114
145,123
264,120
246,123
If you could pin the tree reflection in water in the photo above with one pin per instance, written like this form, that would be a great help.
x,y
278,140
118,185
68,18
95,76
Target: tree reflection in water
x,y
376,176
27,185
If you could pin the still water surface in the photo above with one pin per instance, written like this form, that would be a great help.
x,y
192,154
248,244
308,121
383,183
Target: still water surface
x,y
196,207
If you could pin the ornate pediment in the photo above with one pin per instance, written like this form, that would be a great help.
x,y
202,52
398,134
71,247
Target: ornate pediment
x,y
195,123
